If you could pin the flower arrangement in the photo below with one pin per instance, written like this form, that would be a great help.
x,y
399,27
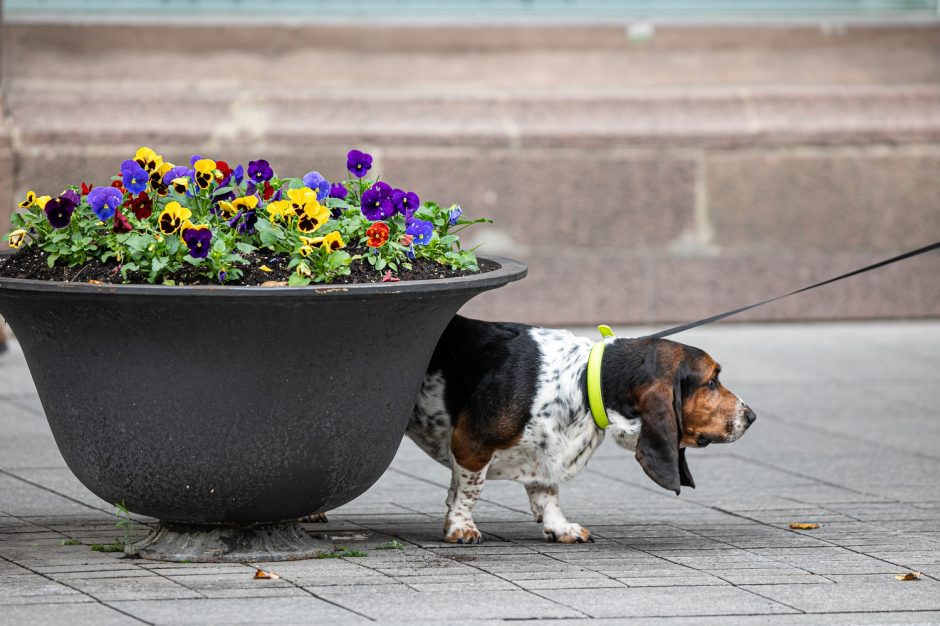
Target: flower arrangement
x,y
158,221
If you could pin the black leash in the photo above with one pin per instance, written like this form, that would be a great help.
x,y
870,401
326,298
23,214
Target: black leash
x,y
721,316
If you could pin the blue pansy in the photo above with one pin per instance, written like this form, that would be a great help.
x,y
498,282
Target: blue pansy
x,y
315,181
421,231
104,201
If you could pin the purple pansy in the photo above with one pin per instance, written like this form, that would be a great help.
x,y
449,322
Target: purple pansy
x,y
421,230
238,174
338,191
59,211
377,202
454,215
104,201
358,163
71,194
259,171
245,221
405,202
198,239
180,171
135,177
315,181
194,158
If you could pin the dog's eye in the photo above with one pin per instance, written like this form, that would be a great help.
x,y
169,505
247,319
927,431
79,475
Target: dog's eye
x,y
712,384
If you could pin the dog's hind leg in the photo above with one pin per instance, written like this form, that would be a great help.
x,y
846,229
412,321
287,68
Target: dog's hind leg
x,y
544,498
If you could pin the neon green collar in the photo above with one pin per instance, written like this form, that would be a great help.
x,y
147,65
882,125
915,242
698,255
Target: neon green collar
x,y
595,395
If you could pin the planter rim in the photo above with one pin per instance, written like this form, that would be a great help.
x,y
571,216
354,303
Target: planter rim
x,y
510,270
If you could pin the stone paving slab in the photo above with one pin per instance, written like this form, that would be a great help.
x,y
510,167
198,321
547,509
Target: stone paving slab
x,y
825,449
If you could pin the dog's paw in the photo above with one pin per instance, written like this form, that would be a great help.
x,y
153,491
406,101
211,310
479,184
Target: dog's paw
x,y
568,533
462,531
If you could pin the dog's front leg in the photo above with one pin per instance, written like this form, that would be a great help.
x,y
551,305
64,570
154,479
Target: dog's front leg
x,y
465,489
546,509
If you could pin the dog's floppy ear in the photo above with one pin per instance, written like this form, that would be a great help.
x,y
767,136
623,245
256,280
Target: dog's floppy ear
x,y
657,448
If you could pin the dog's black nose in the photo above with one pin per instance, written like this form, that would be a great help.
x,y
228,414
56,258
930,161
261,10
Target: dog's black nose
x,y
749,415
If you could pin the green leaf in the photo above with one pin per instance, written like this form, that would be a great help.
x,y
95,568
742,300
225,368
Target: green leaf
x,y
221,191
247,248
296,280
52,259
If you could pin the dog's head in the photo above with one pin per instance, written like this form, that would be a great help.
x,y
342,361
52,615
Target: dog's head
x,y
674,392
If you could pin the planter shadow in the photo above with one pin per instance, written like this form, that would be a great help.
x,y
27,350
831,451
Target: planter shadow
x,y
229,412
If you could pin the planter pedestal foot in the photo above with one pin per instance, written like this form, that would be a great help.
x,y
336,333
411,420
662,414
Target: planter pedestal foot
x,y
230,543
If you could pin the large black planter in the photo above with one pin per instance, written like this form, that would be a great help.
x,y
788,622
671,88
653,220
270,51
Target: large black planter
x,y
227,411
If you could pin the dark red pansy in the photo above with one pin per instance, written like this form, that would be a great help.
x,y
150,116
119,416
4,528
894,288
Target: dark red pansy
x,y
142,206
121,225
86,188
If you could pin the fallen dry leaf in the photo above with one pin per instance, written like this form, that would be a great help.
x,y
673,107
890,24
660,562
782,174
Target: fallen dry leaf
x,y
909,576
274,283
803,526
263,575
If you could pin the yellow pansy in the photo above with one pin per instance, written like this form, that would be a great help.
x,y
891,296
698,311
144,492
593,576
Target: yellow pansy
x,y
205,169
173,217
148,159
331,242
180,184
299,198
156,178
313,216
16,238
279,210
29,201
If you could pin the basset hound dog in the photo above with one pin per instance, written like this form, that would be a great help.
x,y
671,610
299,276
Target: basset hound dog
x,y
510,401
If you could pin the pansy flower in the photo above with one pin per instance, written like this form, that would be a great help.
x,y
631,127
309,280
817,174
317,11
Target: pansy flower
x,y
205,172
315,181
16,238
148,159
172,217
279,210
246,203
104,201
223,172
260,171
454,215
135,177
377,234
421,230
313,217
405,202
121,224
29,201
178,171
180,185
72,195
156,179
358,163
338,191
377,202
197,239
86,188
59,212
332,242
118,184
247,223
42,200
299,198
142,206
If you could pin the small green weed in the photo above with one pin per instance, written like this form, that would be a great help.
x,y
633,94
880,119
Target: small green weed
x,y
70,542
394,544
107,547
340,552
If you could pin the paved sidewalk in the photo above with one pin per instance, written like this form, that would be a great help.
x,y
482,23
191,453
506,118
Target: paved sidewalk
x,y
848,436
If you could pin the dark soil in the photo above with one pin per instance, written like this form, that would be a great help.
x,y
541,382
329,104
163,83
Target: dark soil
x,y
30,262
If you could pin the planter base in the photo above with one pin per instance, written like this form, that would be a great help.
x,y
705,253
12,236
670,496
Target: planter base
x,y
204,543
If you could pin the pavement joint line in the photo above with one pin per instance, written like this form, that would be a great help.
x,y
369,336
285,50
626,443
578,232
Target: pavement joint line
x,y
84,593
821,481
511,582
53,491
844,435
